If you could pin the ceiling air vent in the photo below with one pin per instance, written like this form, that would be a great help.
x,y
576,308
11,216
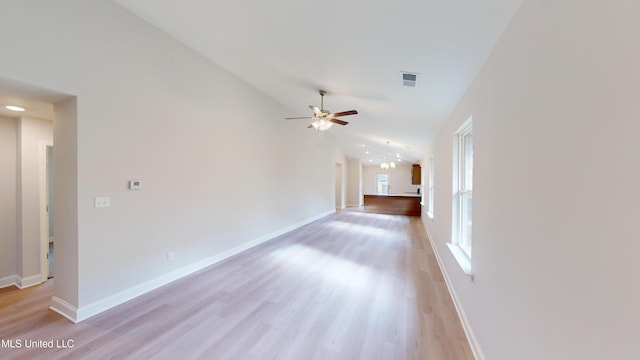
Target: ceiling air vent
x,y
409,79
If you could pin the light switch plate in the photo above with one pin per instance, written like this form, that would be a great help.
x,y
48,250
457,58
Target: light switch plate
x,y
102,201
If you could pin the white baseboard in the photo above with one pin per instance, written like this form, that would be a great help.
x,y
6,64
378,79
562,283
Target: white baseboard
x,y
28,281
99,306
64,308
20,282
11,280
473,342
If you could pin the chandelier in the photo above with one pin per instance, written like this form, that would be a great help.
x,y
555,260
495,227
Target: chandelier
x,y
386,165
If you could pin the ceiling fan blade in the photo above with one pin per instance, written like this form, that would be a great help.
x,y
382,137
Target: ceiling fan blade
x,y
315,110
343,113
338,121
296,118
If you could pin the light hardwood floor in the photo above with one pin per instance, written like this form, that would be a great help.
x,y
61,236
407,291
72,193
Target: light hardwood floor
x,y
350,286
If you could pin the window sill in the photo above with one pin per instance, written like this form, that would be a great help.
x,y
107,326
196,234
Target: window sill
x,y
462,259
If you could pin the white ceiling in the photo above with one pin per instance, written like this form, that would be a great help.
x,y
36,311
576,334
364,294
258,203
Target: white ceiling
x,y
354,49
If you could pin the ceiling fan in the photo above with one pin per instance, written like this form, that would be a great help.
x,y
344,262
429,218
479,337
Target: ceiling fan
x,y
324,119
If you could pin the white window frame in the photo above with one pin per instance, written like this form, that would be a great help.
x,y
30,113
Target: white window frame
x,y
388,175
430,189
461,238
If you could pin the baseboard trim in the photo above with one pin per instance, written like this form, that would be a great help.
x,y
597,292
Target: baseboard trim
x,y
64,308
23,283
473,341
85,312
11,280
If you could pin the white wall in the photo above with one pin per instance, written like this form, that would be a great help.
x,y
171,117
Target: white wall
x,y
354,183
399,179
65,173
555,203
50,189
340,179
219,166
8,236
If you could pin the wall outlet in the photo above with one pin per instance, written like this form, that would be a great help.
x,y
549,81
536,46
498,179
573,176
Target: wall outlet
x,y
171,256
102,201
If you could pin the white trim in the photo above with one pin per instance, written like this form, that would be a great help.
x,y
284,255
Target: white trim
x,y
11,280
64,308
430,187
473,341
20,282
99,306
23,283
44,215
462,258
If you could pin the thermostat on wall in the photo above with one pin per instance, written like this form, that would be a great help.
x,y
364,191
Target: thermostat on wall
x,y
135,185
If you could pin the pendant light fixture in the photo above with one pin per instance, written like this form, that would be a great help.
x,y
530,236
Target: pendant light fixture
x,y
386,165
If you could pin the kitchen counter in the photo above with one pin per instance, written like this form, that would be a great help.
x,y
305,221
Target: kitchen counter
x,y
408,194
393,204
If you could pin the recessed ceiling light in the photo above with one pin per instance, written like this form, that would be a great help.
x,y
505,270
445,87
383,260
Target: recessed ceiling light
x,y
366,152
14,108
370,160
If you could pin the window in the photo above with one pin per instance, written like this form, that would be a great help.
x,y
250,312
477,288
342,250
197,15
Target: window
x,y
461,240
430,190
382,187
465,189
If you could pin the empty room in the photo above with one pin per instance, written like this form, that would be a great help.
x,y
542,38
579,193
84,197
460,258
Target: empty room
x,y
319,180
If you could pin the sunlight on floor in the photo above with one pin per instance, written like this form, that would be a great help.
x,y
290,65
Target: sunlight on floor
x,y
331,269
400,219
361,229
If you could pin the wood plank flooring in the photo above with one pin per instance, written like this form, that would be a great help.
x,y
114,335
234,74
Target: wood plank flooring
x,y
350,286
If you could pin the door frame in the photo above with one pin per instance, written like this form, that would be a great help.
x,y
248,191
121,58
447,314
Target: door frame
x,y
44,214
339,186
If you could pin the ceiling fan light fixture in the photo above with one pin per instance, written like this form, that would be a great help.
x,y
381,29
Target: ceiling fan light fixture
x,y
324,119
322,124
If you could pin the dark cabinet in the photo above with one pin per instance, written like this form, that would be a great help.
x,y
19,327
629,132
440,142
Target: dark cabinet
x,y
416,175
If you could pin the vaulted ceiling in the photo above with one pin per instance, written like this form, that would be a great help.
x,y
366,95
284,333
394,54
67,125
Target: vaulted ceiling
x,y
354,49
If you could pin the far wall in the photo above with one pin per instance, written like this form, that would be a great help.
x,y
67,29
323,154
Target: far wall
x,y
399,179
